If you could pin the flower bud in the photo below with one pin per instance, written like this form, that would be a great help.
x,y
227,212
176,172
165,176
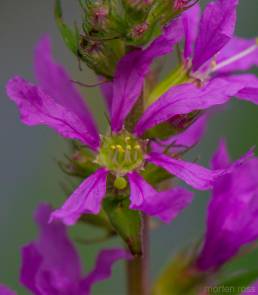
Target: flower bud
x,y
182,122
96,16
101,55
183,4
139,4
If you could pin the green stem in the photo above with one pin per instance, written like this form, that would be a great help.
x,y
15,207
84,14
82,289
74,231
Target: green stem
x,y
137,269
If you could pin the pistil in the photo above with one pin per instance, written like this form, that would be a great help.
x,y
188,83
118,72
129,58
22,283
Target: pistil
x,y
235,58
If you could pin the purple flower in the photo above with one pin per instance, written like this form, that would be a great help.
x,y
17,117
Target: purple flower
x,y
6,291
51,265
57,104
232,219
253,289
211,53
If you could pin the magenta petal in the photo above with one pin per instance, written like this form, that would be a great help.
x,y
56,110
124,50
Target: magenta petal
x,y
185,98
232,218
107,92
249,90
191,19
6,291
37,108
103,267
235,46
55,81
221,159
193,174
132,69
86,198
184,140
216,29
50,265
165,205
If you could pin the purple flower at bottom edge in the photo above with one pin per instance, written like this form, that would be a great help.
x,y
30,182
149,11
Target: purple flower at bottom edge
x,y
6,291
253,289
51,265
232,220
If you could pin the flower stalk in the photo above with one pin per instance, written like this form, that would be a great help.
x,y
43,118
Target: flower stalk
x,y
138,267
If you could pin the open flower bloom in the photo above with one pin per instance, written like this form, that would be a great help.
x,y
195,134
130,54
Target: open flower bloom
x,y
121,154
232,219
205,78
51,265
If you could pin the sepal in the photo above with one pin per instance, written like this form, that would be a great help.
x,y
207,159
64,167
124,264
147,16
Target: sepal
x,y
70,37
126,222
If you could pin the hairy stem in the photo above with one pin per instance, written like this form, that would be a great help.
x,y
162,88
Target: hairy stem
x,y
137,269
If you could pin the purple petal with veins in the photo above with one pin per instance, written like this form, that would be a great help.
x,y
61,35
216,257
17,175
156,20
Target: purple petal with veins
x,y
132,69
165,205
185,98
191,20
38,108
217,26
86,198
55,81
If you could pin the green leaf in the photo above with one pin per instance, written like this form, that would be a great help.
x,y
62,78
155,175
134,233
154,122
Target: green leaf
x,y
126,222
70,37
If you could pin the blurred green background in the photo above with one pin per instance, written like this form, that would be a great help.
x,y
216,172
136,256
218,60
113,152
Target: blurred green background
x,y
29,173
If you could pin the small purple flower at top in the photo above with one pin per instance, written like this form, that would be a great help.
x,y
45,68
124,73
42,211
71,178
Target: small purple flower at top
x,y
121,153
232,220
51,265
211,54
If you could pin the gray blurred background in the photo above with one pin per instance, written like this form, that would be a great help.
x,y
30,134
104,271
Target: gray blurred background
x,y
29,172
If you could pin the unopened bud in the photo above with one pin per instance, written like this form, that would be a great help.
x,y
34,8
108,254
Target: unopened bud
x,y
183,4
101,55
182,122
100,16
139,30
139,4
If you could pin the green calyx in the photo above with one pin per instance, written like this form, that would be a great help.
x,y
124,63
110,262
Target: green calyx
x,y
121,153
176,77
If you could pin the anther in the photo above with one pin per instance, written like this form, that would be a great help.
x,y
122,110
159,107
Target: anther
x,y
120,148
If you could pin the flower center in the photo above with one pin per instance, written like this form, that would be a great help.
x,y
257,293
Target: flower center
x,y
120,153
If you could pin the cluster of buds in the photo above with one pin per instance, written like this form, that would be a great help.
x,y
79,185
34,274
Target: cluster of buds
x,y
110,29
